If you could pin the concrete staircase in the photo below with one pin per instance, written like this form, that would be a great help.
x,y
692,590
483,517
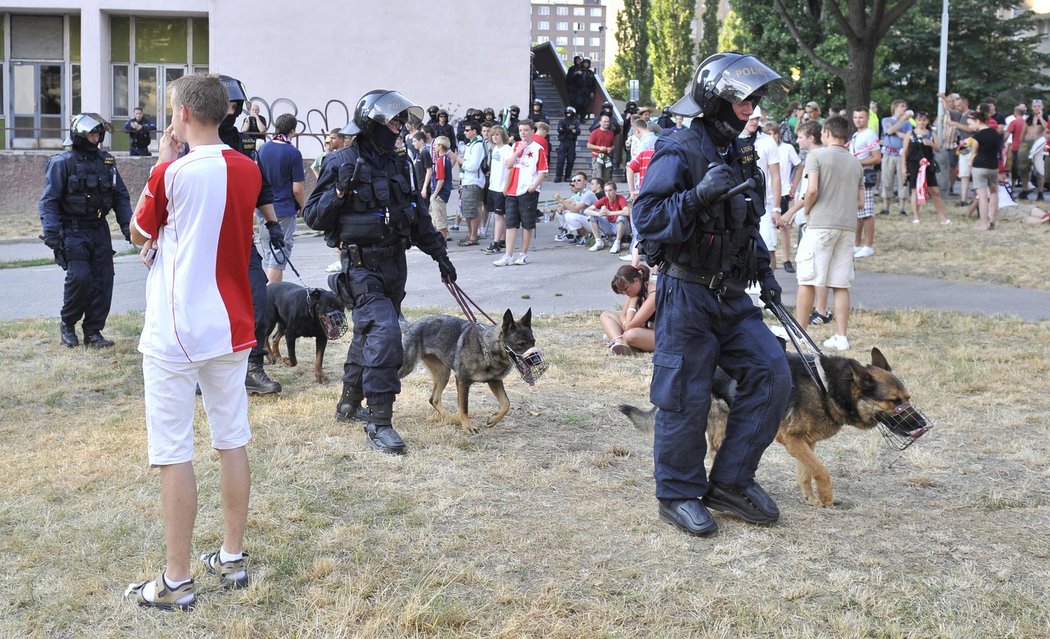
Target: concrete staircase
x,y
554,107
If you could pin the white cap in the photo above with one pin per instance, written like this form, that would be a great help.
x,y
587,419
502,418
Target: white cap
x,y
757,113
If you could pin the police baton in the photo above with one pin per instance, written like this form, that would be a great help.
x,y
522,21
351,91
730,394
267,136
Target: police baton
x,y
746,185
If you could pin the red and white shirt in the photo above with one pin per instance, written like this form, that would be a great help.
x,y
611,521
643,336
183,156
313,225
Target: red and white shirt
x,y
532,160
199,209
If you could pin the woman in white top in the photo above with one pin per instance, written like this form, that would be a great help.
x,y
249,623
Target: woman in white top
x,y
496,199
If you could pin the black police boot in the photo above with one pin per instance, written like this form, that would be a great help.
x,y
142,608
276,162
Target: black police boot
x,y
256,382
69,335
349,406
751,504
380,432
94,339
688,515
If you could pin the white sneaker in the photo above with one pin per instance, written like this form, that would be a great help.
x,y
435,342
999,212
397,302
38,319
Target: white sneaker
x,y
856,249
626,258
615,247
837,342
598,245
334,267
504,260
521,260
865,251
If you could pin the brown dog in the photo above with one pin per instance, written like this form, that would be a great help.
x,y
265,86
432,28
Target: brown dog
x,y
856,394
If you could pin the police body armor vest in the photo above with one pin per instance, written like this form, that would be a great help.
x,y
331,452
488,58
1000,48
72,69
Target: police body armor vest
x,y
381,204
725,242
90,184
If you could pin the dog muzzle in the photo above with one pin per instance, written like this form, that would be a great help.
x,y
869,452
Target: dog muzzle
x,y
334,324
902,426
530,364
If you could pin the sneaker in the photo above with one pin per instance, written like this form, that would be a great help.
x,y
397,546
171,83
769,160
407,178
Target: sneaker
x,y
491,249
626,258
565,237
916,221
615,247
856,249
818,318
233,574
789,266
902,212
504,260
521,260
454,227
334,267
580,241
837,342
865,251
946,222
599,244
884,211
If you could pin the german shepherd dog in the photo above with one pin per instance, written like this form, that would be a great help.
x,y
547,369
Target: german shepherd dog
x,y
475,354
858,395
297,312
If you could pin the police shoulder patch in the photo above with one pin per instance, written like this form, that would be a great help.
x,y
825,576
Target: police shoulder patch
x,y
109,159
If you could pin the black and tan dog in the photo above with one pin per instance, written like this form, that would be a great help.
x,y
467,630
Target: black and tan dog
x,y
858,395
450,345
297,312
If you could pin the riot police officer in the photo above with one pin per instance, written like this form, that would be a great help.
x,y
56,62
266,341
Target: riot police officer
x,y
81,186
568,132
698,218
257,382
365,204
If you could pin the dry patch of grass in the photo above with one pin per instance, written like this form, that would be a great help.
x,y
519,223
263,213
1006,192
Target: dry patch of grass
x,y
544,526
20,225
959,252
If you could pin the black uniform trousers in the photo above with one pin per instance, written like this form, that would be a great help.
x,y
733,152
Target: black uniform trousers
x,y
375,354
566,158
257,282
89,273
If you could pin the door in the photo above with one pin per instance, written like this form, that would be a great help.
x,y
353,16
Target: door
x,y
36,92
153,83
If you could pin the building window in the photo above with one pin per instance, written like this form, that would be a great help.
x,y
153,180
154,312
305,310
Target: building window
x,y
577,41
563,11
596,26
596,42
577,26
543,25
542,39
120,90
563,26
579,11
37,37
596,12
562,41
74,79
543,11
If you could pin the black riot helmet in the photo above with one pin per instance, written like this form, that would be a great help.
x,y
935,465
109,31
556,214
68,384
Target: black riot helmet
x,y
479,115
379,107
723,80
235,91
83,125
630,107
666,111
432,111
514,110
490,113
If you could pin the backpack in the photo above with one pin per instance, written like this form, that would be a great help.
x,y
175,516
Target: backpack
x,y
787,134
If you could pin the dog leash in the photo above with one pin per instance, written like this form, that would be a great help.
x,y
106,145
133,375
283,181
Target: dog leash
x,y
464,302
802,342
284,259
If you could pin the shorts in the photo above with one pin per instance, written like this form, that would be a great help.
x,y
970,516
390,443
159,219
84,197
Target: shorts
x,y
768,231
869,204
825,258
893,173
268,256
985,178
1024,163
470,200
497,202
171,404
965,165
438,212
576,221
522,210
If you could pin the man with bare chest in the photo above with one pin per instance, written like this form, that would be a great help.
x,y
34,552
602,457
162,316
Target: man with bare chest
x,y
1035,126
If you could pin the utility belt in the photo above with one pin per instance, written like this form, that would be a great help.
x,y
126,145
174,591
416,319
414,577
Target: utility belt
x,y
94,221
679,272
369,257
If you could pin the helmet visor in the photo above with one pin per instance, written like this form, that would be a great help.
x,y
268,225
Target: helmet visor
x,y
234,88
748,76
87,122
393,106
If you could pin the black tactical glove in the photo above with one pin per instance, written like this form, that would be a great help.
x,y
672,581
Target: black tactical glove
x,y
126,230
770,295
716,183
346,176
276,234
448,272
52,241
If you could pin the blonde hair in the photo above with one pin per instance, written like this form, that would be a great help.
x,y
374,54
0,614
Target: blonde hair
x,y
443,142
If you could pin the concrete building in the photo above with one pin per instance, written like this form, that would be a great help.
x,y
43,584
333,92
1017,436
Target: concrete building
x,y
312,59
575,28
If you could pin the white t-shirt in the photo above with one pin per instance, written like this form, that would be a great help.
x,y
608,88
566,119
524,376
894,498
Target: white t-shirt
x,y
499,170
768,154
200,211
863,143
533,160
789,159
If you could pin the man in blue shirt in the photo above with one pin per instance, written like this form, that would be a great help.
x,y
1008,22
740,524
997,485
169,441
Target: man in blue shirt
x,y
895,130
282,165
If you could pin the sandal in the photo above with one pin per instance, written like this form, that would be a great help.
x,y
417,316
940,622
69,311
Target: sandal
x,y
226,569
164,598
619,348
468,243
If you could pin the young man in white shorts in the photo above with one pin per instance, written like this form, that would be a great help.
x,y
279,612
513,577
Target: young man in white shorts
x,y
825,255
194,222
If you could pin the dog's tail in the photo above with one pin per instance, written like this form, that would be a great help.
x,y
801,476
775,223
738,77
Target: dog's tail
x,y
643,420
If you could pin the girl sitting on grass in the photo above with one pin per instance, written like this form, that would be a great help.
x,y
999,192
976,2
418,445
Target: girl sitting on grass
x,y
631,327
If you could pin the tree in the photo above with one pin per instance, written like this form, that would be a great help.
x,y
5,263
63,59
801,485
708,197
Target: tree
x,y
864,25
632,44
671,48
708,44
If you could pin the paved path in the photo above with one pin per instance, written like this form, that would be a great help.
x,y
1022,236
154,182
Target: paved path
x,y
560,279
